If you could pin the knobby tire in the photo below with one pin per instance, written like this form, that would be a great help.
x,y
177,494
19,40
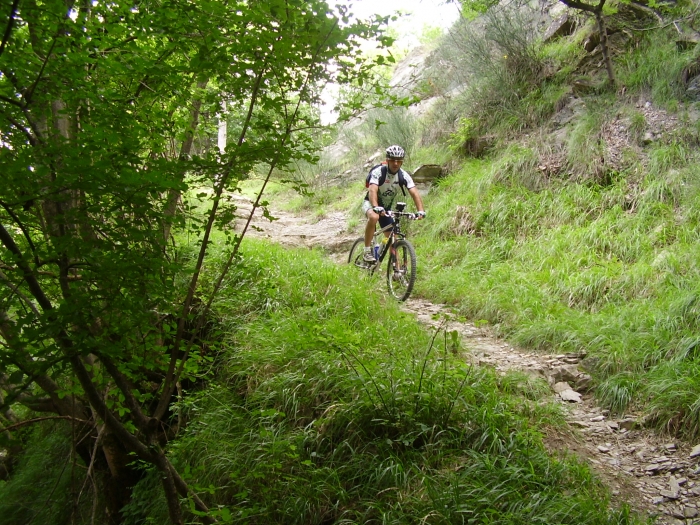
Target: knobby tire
x,y
401,270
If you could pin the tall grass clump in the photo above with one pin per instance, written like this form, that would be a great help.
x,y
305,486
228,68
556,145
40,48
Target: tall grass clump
x,y
585,148
604,264
45,481
673,388
654,66
519,165
332,406
617,392
439,123
500,62
562,55
393,126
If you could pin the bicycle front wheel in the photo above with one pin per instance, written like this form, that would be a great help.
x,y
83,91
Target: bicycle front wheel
x,y
401,270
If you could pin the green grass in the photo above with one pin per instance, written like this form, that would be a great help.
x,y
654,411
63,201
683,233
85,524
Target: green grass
x,y
654,66
562,54
332,406
47,474
329,405
432,154
598,264
585,149
603,265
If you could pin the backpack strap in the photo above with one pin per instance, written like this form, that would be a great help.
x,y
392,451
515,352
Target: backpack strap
x,y
382,177
402,182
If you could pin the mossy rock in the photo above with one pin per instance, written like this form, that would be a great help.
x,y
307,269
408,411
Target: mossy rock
x,y
427,173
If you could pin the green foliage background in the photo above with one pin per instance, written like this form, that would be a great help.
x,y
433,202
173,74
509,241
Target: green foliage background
x,y
312,398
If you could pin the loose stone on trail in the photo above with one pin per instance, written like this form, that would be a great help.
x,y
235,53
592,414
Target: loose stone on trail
x,y
570,395
561,387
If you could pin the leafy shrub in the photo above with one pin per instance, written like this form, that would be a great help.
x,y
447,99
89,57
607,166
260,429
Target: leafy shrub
x,y
499,61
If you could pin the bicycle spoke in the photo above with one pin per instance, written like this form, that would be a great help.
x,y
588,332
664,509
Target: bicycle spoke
x,y
401,271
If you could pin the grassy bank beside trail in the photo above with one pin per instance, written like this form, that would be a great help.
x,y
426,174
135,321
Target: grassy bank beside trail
x,y
332,406
578,228
609,268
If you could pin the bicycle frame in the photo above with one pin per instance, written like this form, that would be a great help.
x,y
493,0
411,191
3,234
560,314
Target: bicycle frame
x,y
395,232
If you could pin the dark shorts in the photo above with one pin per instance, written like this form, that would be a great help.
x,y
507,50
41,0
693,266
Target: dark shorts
x,y
385,221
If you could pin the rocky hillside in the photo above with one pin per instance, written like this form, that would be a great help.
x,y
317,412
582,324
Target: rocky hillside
x,y
440,76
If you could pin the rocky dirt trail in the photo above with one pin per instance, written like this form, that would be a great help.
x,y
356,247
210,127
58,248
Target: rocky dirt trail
x,y
657,475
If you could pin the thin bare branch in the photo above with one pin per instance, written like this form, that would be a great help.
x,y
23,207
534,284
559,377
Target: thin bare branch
x,y
174,194
582,6
288,131
127,389
30,92
10,23
19,294
88,475
168,386
31,138
22,227
96,400
39,420
12,101
28,274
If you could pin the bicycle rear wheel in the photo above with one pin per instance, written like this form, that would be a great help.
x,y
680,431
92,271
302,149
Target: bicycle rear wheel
x,y
401,270
356,254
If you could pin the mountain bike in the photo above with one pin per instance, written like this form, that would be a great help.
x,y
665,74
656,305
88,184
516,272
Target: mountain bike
x,y
401,267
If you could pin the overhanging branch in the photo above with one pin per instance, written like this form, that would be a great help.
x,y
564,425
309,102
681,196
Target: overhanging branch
x,y
10,23
29,277
581,6
39,420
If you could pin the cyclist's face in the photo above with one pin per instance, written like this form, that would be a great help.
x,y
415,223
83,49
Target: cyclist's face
x,y
394,164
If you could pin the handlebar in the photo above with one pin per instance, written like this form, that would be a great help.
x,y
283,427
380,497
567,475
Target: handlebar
x,y
410,216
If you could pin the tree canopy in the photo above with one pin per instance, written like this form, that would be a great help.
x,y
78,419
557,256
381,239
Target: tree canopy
x,y
108,113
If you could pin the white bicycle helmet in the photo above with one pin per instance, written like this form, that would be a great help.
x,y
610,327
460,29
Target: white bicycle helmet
x,y
395,152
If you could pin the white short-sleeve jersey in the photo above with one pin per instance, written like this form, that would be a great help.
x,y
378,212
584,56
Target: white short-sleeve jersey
x,y
387,192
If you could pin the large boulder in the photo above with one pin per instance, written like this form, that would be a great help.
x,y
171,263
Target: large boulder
x,y
564,25
427,173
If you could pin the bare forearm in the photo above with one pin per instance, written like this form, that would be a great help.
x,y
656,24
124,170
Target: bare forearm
x,y
373,199
416,199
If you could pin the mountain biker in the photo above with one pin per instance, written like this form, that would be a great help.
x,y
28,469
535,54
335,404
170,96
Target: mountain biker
x,y
382,194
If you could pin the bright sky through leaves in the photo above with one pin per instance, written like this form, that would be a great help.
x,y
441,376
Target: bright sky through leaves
x,y
420,13
418,16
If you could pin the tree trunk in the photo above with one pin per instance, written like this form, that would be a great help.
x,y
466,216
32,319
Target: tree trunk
x,y
604,47
185,150
119,477
597,11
